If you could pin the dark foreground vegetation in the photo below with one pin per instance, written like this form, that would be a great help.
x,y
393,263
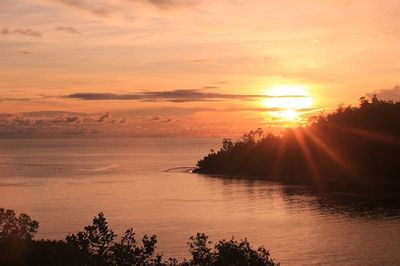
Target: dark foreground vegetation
x,y
353,145
98,245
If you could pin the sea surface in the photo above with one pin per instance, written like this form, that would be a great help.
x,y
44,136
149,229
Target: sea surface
x,y
144,184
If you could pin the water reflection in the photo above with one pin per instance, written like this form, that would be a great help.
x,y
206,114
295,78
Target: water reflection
x,y
144,184
383,203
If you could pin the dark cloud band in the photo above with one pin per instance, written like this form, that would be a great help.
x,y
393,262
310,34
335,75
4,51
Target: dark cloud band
x,y
172,96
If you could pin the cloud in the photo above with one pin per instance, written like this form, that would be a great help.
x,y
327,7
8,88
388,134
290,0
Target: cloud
x,y
73,119
124,120
171,3
5,31
165,121
105,8
15,99
26,32
387,94
55,124
200,60
162,119
210,87
46,114
99,9
67,29
177,96
265,109
162,3
104,118
24,99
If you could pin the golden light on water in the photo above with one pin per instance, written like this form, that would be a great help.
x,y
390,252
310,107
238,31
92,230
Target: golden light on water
x,y
287,102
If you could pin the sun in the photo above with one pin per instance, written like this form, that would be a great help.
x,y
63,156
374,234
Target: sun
x,y
287,102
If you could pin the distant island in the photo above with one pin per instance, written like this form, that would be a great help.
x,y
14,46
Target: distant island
x,y
353,145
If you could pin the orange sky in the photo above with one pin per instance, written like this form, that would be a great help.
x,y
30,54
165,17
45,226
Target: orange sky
x,y
194,67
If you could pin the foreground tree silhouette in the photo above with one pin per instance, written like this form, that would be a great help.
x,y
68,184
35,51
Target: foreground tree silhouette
x,y
13,227
16,234
97,245
226,253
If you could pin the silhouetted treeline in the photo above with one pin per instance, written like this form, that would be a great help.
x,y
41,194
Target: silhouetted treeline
x,y
351,145
98,245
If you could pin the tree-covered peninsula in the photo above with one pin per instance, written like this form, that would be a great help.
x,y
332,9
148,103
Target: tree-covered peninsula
x,y
354,144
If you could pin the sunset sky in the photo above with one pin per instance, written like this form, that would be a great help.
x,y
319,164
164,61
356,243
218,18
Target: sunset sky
x,y
194,67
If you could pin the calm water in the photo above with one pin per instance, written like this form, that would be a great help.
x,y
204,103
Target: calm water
x,y
139,183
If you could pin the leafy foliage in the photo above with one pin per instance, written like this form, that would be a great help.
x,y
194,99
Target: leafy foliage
x,y
227,253
16,233
13,227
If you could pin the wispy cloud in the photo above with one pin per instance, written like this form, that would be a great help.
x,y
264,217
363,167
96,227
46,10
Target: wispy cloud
x,y
177,96
107,8
163,121
26,32
169,3
97,8
388,94
105,117
68,29
265,109
54,123
15,99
